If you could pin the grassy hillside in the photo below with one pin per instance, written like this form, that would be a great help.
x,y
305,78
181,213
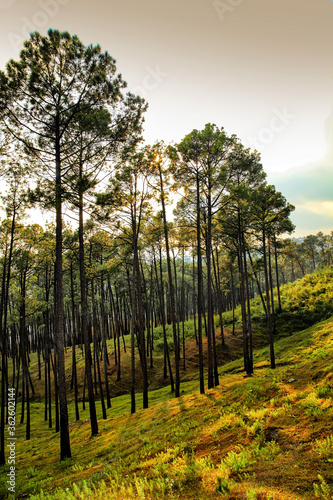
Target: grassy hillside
x,y
304,303
265,437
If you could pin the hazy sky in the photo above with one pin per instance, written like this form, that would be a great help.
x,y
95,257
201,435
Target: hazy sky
x,y
260,68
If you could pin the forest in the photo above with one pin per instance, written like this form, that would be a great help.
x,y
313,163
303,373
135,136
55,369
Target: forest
x,y
159,264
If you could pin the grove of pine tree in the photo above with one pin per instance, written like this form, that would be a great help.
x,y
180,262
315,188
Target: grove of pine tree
x,y
71,143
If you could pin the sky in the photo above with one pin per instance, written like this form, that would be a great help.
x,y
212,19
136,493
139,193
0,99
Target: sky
x,y
259,68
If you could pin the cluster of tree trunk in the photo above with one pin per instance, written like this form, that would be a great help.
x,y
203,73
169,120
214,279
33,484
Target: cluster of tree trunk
x,y
66,123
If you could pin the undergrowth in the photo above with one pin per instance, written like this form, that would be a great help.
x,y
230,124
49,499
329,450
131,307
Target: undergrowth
x,y
267,437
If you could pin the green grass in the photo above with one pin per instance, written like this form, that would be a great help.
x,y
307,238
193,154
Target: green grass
x,y
304,303
267,437
263,437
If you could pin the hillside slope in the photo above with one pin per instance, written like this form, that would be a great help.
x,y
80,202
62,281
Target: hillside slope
x,y
265,437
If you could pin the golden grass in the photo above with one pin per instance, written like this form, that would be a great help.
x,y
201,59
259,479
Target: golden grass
x,y
265,437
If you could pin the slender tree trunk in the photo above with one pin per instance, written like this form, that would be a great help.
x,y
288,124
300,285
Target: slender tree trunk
x,y
165,342
269,318
3,367
177,311
194,303
133,323
247,363
74,370
96,339
23,388
150,317
24,342
116,314
28,424
258,284
271,287
84,325
45,388
249,323
143,357
183,307
65,449
50,387
200,287
3,337
232,297
212,361
218,291
105,348
56,392
277,276
171,290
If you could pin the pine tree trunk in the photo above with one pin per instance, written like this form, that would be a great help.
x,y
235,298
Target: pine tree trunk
x,y
258,284
232,298
74,370
194,303
183,307
133,323
200,287
248,305
177,313
84,326
277,276
3,368
271,287
116,315
105,349
269,319
162,308
171,291
218,292
247,364
96,339
143,357
65,449
212,362
3,338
